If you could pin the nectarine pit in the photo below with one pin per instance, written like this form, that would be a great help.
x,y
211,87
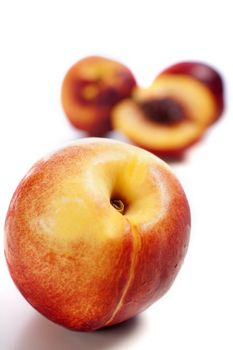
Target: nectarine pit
x,y
164,110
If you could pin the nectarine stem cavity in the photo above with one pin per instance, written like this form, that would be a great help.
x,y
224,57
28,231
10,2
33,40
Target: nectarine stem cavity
x,y
164,110
118,205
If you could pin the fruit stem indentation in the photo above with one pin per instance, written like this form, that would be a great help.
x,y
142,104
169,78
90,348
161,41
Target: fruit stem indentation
x,y
118,205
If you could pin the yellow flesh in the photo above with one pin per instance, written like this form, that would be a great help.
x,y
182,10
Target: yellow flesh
x,y
193,96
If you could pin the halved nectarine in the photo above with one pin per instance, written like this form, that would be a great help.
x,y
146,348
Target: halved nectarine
x,y
169,116
204,73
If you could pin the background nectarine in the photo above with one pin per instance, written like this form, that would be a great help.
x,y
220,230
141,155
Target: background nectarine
x,y
91,88
205,74
175,111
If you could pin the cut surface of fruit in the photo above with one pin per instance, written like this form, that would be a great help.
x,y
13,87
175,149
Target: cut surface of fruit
x,y
205,74
186,123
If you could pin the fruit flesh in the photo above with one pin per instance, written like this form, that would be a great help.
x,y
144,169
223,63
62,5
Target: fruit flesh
x,y
195,101
77,259
205,74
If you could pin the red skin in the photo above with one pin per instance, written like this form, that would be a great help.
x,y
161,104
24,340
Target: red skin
x,y
124,275
158,260
206,75
113,85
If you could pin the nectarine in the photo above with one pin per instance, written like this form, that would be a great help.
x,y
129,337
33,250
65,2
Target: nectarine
x,y
205,74
174,112
91,88
96,232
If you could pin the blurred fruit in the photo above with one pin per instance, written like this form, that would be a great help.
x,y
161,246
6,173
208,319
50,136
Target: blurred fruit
x,y
174,112
91,88
206,75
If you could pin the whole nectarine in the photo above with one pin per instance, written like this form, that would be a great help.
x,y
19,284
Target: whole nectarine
x,y
96,232
91,88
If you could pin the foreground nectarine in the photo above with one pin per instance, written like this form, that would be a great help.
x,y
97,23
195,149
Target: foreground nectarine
x,y
96,232
91,88
175,111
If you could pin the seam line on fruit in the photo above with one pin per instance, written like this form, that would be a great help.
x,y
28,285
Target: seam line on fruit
x,y
136,248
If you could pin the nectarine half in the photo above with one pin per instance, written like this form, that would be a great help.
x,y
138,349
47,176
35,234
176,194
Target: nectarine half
x,y
174,112
205,74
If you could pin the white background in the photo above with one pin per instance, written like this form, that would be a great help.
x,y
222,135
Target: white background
x,y
39,40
